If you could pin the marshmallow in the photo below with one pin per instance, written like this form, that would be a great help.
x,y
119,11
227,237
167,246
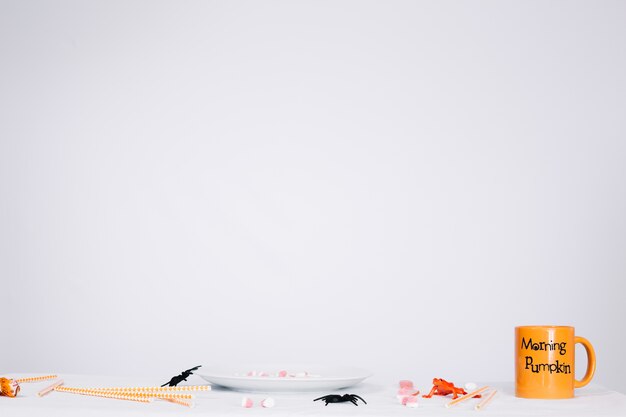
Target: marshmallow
x,y
410,401
405,383
246,402
282,374
471,386
268,403
406,392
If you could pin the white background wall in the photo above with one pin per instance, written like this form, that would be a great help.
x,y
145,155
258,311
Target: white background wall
x,y
393,185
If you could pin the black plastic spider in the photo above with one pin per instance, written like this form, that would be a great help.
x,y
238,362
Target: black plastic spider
x,y
340,398
180,378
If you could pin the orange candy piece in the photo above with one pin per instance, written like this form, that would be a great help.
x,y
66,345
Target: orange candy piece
x,y
9,387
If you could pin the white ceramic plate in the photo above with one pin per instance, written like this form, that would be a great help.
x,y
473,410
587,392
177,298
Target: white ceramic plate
x,y
320,378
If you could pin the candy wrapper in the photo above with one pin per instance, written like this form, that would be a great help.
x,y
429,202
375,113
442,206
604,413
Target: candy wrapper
x,y
9,387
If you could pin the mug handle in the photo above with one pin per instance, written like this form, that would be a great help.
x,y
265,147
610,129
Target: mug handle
x,y
591,362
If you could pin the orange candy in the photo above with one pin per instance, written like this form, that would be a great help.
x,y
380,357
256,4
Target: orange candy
x,y
9,387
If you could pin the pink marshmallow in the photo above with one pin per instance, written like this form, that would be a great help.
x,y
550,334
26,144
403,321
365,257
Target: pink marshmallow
x,y
282,374
246,402
410,401
405,383
406,391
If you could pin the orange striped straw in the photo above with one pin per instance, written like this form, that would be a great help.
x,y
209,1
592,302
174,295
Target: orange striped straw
x,y
162,395
35,378
103,394
155,389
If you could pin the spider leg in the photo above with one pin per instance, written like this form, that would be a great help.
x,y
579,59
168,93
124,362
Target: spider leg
x,y
322,398
354,395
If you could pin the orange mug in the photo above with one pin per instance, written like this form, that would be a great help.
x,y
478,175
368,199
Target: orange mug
x,y
544,362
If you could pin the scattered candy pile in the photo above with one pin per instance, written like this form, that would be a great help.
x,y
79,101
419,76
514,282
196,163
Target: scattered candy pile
x,y
407,394
265,403
279,374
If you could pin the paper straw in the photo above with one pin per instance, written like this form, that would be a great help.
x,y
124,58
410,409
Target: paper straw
x,y
466,397
103,394
161,395
155,389
35,378
185,403
50,388
486,401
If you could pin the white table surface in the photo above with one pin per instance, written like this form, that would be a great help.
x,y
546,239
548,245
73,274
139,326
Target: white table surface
x,y
593,400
